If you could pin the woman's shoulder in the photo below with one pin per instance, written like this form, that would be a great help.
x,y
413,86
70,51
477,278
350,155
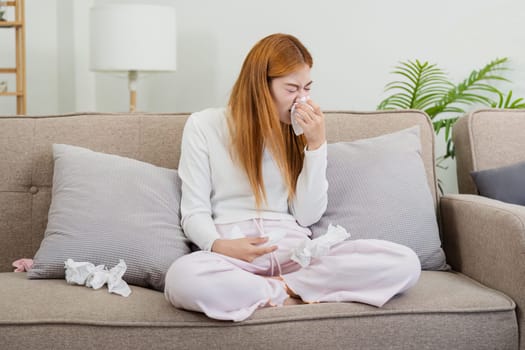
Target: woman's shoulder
x,y
209,116
210,122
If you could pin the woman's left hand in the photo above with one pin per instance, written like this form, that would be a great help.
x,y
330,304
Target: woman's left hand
x,y
311,120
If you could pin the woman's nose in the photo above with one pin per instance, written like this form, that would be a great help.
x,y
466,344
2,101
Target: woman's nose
x,y
301,96
301,93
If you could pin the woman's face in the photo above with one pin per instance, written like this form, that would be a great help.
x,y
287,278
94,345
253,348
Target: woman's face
x,y
287,89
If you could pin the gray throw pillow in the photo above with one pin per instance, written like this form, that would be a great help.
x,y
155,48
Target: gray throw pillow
x,y
378,189
506,184
105,208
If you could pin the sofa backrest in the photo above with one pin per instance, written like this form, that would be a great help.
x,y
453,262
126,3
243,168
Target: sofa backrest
x,y
485,139
26,160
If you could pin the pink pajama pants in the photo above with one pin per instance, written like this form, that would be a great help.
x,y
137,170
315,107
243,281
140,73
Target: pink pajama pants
x,y
368,271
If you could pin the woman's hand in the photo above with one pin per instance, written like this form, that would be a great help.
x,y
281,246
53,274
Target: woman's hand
x,y
311,119
242,248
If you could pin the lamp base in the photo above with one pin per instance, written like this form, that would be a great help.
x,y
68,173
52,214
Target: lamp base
x,y
132,84
132,101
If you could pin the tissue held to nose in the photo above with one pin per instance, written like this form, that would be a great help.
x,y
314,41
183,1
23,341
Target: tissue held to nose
x,y
293,117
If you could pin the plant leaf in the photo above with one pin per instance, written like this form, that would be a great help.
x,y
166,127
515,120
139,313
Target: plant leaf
x,y
423,84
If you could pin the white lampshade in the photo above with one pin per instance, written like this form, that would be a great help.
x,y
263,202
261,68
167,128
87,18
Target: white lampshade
x,y
132,37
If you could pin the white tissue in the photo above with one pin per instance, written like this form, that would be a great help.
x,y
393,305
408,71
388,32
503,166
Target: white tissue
x,y
96,276
314,248
77,272
293,118
274,237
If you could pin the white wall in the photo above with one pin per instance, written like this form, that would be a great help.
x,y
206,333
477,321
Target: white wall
x,y
355,45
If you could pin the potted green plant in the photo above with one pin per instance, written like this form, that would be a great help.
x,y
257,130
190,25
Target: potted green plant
x,y
426,87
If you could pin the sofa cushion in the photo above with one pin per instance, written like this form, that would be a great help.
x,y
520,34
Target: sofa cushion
x,y
378,189
105,208
506,184
444,310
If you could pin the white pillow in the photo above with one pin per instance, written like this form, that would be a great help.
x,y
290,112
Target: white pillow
x,y
378,189
105,208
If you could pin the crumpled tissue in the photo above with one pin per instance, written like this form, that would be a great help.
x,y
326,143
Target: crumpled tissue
x,y
85,273
314,248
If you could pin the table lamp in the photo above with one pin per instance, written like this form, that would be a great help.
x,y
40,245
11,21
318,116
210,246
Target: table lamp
x,y
132,38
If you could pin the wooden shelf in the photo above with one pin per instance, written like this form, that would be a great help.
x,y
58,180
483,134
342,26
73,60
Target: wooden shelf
x,y
20,53
10,24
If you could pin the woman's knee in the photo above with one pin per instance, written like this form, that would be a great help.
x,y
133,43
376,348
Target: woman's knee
x,y
183,280
409,267
177,268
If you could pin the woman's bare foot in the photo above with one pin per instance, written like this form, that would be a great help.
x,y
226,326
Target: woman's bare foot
x,y
293,301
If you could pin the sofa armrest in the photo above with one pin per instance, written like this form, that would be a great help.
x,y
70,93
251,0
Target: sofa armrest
x,y
485,239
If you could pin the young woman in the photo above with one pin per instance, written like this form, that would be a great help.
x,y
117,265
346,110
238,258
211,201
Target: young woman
x,y
247,176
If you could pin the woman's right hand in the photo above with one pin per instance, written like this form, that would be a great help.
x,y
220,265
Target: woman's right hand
x,y
311,119
246,248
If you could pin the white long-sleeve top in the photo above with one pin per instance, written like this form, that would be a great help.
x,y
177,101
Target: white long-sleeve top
x,y
216,190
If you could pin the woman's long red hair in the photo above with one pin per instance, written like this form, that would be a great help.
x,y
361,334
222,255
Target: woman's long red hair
x,y
253,119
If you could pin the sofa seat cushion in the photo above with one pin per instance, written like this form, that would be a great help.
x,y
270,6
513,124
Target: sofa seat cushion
x,y
444,310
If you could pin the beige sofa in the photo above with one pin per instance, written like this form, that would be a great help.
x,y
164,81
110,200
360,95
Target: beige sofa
x,y
487,139
445,310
